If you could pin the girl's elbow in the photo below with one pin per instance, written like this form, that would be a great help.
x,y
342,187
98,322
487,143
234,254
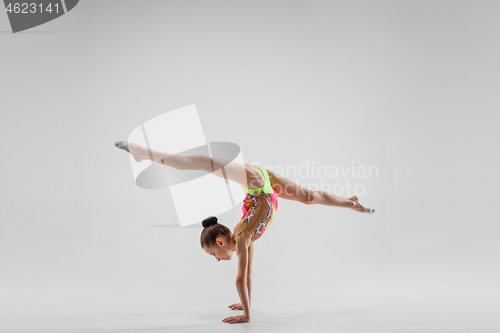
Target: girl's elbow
x,y
241,280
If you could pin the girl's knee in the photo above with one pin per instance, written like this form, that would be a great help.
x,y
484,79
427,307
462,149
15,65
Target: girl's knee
x,y
311,198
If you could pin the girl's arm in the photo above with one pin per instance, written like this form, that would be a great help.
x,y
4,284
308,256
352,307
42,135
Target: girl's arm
x,y
242,278
249,274
242,243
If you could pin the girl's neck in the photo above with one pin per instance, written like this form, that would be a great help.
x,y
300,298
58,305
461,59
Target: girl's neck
x,y
232,243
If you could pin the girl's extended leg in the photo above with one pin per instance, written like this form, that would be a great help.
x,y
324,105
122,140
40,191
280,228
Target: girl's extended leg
x,y
246,175
289,190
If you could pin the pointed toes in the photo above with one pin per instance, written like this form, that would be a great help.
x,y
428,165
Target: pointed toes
x,y
122,144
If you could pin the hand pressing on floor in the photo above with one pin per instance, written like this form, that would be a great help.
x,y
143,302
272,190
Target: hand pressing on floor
x,y
236,319
236,306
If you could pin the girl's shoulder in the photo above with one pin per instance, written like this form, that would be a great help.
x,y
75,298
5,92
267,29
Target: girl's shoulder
x,y
242,235
243,242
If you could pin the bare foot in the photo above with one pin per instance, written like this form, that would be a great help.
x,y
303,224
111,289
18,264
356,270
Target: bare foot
x,y
357,207
137,151
134,149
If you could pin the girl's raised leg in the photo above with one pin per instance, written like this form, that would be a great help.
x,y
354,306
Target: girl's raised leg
x,y
289,190
248,176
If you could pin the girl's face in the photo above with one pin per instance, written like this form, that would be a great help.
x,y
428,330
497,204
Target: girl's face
x,y
220,250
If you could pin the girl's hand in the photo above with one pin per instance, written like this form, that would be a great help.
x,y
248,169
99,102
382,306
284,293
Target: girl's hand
x,y
236,319
236,306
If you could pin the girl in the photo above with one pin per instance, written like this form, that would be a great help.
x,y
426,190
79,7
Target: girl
x,y
262,187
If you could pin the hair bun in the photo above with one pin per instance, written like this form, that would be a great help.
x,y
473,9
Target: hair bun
x,y
209,221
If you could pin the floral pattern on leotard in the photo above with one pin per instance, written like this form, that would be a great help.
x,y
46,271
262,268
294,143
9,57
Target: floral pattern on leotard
x,y
250,205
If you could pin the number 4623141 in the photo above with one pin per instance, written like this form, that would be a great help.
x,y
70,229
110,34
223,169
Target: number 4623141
x,y
31,8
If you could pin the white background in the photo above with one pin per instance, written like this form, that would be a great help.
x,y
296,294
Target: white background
x,y
410,87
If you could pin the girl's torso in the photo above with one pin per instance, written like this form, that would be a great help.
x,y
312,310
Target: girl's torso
x,y
258,209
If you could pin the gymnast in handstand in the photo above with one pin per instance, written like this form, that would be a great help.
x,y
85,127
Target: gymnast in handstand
x,y
263,188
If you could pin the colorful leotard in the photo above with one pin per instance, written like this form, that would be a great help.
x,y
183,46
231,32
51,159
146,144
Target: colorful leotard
x,y
259,208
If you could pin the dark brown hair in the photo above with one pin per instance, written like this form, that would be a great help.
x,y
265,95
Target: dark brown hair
x,y
211,231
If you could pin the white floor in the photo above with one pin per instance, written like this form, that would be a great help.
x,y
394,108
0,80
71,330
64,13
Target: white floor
x,y
147,312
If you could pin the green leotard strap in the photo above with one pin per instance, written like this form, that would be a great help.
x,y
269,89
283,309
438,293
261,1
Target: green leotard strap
x,y
267,188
